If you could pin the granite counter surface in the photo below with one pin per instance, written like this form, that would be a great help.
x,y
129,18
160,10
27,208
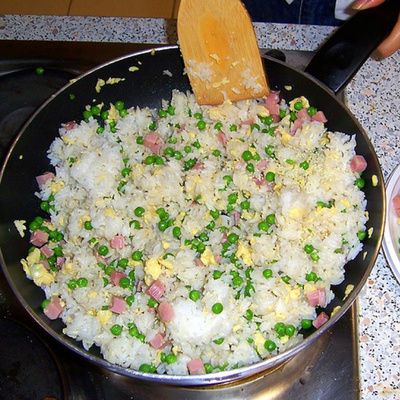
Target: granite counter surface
x,y
373,96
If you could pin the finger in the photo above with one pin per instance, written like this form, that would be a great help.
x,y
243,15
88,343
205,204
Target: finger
x,y
364,4
391,43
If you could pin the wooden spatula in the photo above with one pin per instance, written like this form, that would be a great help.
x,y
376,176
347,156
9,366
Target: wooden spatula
x,y
220,51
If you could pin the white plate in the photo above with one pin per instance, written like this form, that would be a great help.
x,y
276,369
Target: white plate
x,y
391,243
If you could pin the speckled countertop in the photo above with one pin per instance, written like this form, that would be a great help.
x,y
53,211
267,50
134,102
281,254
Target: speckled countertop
x,y
373,97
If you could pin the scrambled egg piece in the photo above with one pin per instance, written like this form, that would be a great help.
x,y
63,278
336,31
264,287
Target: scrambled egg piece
x,y
245,253
40,275
20,225
68,268
303,101
133,69
100,83
259,341
335,310
374,179
348,290
56,186
103,316
207,257
285,137
153,268
297,213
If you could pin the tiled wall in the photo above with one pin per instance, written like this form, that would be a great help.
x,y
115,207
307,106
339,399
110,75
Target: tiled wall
x,y
112,8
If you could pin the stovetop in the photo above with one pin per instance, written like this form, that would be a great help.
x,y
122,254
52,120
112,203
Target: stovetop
x,y
35,366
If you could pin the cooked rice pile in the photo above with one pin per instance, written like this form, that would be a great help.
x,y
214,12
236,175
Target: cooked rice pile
x,y
196,239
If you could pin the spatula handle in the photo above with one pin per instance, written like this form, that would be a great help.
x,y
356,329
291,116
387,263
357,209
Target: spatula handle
x,y
341,56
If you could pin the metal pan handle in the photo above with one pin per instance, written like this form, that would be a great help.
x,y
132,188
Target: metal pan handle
x,y
341,56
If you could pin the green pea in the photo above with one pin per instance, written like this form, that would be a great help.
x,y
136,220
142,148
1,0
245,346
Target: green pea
x,y
162,214
152,303
139,140
137,255
311,111
267,273
211,225
153,126
308,248
72,284
269,151
133,330
39,71
237,281
208,368
219,341
82,282
189,164
250,167
311,277
139,211
227,179
361,235
298,105
170,358
270,219
217,308
270,176
194,295
201,125
58,251
45,206
147,368
123,263
263,226
169,152
218,126
247,155
360,183
285,278
290,330
233,238
123,113
269,345
103,250
149,160
88,225
44,304
203,237
249,315
201,247
282,113
232,198
217,274
289,161
36,223
306,323
267,120
245,205
233,128
105,282
254,127
130,299
100,130
104,115
132,275
178,155
293,116
119,105
124,282
177,232
280,329
314,256
163,225
198,115
135,223
305,165
196,144
171,110
187,149
162,113
214,214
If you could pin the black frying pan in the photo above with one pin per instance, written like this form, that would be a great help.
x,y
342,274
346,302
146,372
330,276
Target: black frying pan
x,y
146,87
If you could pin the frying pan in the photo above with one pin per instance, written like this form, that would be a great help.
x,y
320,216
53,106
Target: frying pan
x,y
146,87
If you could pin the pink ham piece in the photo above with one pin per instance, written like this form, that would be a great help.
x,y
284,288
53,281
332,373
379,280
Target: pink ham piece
x,y
54,308
236,217
358,164
218,259
46,251
39,238
260,182
272,103
42,179
195,367
69,125
156,290
221,137
320,320
297,124
303,115
117,242
224,237
262,165
165,312
396,204
320,117
118,305
154,142
116,276
60,261
317,298
198,262
158,341
198,166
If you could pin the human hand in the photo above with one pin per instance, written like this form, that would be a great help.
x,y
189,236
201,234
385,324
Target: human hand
x,y
392,43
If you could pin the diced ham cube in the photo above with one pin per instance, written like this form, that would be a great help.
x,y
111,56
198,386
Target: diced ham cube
x,y
396,204
236,217
195,367
320,117
198,166
157,342
198,262
221,137
116,276
262,165
154,142
320,320
165,312
54,308
303,115
272,103
117,242
42,179
297,124
156,290
39,238
358,164
118,305
60,261
317,298
69,125
46,251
